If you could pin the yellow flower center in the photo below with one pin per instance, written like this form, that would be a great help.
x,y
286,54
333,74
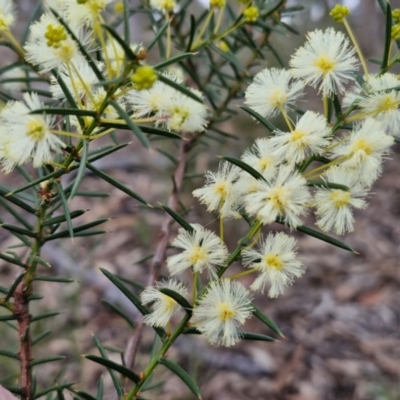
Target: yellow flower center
x,y
386,104
35,129
278,98
340,198
362,145
168,302
278,197
178,118
3,22
220,188
55,35
226,312
198,255
297,136
66,50
325,64
274,261
264,163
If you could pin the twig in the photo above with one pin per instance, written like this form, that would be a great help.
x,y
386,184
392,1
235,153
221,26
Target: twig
x,y
25,342
159,256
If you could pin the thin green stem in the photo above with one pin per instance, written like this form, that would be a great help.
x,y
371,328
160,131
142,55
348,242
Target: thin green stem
x,y
203,28
286,118
219,19
169,42
194,288
357,47
154,361
243,273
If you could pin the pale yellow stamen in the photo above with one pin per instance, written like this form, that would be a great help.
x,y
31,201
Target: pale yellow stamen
x,y
387,104
278,98
226,311
340,198
362,145
325,64
297,136
198,255
36,130
168,302
274,261
264,163
278,198
220,188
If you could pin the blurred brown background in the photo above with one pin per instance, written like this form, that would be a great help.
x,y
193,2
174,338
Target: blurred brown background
x,y
341,319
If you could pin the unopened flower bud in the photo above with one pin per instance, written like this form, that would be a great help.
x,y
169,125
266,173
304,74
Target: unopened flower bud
x,y
144,77
251,14
339,13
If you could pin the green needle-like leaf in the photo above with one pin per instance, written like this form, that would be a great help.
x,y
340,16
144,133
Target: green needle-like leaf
x,y
184,224
9,354
133,127
5,193
12,260
191,32
65,111
115,367
114,377
173,60
39,361
320,236
182,374
259,118
66,209
120,312
117,184
130,55
53,388
245,167
62,218
84,395
17,229
40,337
179,88
14,286
388,38
266,320
81,170
158,37
178,298
44,315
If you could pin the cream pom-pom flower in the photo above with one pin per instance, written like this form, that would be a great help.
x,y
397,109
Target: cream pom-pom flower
x,y
164,307
276,261
202,250
326,60
222,310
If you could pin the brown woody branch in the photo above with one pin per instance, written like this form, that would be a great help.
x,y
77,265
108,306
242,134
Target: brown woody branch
x,y
162,244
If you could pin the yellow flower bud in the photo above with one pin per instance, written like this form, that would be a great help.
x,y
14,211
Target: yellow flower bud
x,y
396,15
119,7
339,13
54,35
144,77
251,14
396,32
217,3
223,46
